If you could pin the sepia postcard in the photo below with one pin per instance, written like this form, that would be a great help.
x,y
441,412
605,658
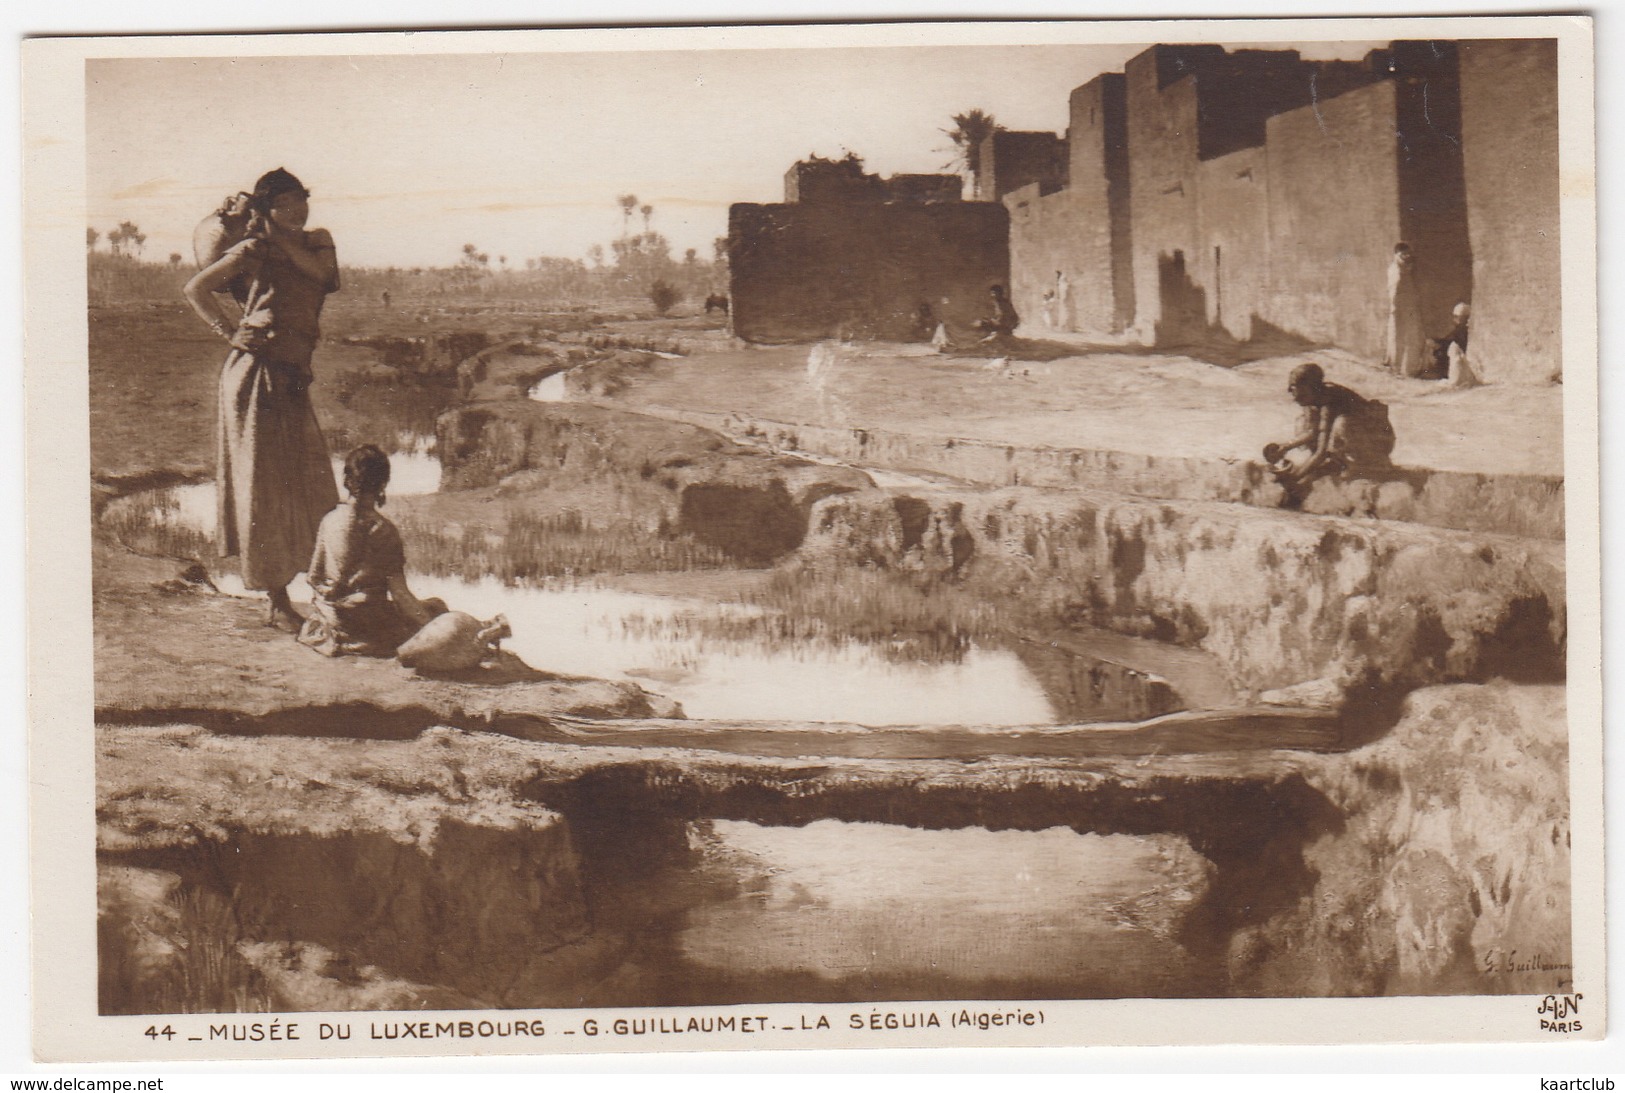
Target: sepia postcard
x,y
813,537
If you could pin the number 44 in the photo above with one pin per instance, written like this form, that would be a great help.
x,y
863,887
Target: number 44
x,y
154,1032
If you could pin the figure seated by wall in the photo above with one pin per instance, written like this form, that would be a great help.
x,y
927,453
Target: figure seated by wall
x,y
1001,325
1449,353
923,326
1343,434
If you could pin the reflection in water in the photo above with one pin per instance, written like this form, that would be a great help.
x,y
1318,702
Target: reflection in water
x,y
189,511
1082,688
612,634
860,911
412,471
550,389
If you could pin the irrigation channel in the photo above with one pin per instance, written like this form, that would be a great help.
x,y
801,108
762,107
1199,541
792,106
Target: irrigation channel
x,y
780,881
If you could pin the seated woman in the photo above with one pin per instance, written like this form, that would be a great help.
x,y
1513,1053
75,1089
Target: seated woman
x,y
362,605
1342,434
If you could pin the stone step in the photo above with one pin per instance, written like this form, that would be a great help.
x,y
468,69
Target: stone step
x,y
1525,505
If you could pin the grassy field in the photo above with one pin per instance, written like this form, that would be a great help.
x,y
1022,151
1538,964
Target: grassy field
x,y
154,373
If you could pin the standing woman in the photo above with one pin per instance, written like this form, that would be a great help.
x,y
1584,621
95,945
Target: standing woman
x,y
275,481
1406,340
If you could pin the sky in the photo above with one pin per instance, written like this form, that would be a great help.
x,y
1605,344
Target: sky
x,y
524,154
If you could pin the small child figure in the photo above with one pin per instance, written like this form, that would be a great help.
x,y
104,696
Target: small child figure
x,y
362,605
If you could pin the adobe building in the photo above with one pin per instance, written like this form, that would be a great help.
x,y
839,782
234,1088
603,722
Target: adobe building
x,y
1009,160
1084,229
1509,145
1214,195
848,254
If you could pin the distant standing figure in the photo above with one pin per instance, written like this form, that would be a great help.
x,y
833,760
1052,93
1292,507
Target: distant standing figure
x,y
1405,337
1063,301
925,323
385,297
274,480
822,361
1004,320
1342,433
361,604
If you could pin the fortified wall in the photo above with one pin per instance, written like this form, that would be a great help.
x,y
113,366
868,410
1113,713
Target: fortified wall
x,y
1509,145
1224,196
850,254
1010,160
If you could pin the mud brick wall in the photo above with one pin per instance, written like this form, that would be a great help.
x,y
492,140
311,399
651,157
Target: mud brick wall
x,y
1241,90
1098,259
840,181
1232,268
1162,131
1432,190
1083,229
1011,160
1334,219
804,272
1119,208
1215,196
925,188
1048,233
1509,143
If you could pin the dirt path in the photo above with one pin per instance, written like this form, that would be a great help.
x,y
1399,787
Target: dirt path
x,y
1141,402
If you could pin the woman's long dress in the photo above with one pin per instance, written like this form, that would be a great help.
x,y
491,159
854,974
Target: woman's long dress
x,y
1406,341
275,478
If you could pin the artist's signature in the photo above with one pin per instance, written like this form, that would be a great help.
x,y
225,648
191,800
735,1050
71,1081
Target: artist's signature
x,y
1508,961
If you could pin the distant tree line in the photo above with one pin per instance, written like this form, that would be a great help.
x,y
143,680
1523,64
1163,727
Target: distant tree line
x,y
636,269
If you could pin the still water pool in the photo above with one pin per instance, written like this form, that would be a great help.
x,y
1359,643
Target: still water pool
x,y
671,645
611,634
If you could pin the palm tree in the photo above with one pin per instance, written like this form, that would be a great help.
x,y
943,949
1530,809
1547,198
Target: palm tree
x,y
175,259
629,205
91,235
970,129
647,211
133,238
126,239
